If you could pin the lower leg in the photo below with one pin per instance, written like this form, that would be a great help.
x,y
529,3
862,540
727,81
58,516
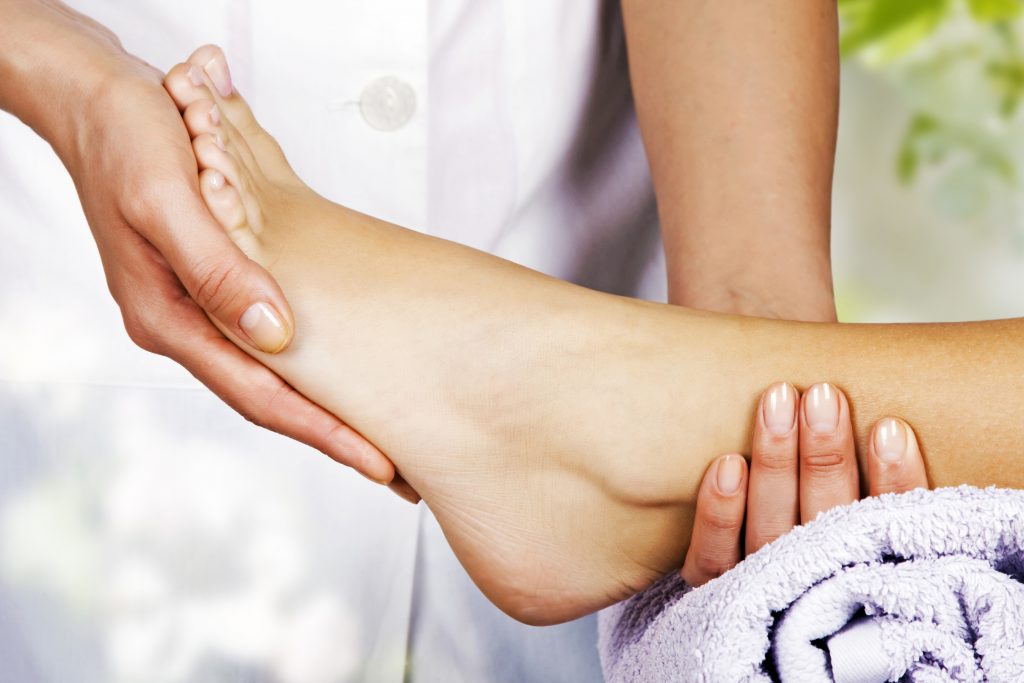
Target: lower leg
x,y
558,434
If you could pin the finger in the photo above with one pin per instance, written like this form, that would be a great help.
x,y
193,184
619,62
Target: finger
x,y
773,503
828,464
401,488
715,542
895,464
236,291
167,316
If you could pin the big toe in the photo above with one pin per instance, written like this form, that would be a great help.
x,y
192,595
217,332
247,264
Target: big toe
x,y
213,64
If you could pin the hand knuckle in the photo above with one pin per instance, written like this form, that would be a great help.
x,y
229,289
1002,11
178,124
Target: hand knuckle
x,y
710,565
212,283
142,200
721,522
141,334
823,461
776,458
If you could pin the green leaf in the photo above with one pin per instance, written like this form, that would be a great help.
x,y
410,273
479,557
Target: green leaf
x,y
895,26
995,10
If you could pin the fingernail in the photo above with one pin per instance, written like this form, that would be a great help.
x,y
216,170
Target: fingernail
x,y
730,471
217,183
264,327
822,409
382,482
890,440
195,76
779,409
215,115
219,141
217,70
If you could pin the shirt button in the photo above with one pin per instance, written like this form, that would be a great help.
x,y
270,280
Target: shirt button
x,y
387,103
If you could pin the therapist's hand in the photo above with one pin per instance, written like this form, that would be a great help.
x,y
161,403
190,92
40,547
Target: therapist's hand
x,y
167,262
803,463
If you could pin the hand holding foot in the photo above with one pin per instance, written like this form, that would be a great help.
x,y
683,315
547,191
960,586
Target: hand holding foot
x,y
168,264
802,464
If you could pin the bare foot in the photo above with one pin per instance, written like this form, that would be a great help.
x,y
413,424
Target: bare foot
x,y
559,434
494,389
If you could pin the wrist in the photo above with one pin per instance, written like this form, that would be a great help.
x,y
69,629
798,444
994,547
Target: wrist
x,y
760,292
54,62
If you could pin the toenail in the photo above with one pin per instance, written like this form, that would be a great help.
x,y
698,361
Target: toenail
x,y
217,180
195,76
215,115
217,70
219,141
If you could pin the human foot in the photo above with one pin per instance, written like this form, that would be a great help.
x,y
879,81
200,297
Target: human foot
x,y
477,377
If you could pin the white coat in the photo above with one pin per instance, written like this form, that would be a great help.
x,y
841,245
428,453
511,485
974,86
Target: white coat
x,y
147,533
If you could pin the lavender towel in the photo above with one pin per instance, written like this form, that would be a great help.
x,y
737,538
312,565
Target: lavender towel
x,y
921,586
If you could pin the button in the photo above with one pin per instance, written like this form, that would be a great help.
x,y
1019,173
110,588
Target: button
x,y
387,103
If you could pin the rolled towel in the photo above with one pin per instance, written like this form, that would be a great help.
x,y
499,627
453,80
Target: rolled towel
x,y
920,586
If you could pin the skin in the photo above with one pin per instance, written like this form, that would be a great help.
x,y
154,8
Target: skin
x,y
791,477
169,270
738,107
535,416
169,266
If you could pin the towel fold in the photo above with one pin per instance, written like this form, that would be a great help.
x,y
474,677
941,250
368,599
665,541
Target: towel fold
x,y
920,586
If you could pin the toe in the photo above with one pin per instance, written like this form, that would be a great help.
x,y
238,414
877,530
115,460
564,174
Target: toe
x,y
225,204
186,84
211,152
211,59
202,116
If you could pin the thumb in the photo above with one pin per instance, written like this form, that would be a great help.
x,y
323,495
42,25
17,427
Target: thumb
x,y
233,289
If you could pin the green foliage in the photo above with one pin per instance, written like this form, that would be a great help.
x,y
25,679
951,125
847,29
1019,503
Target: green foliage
x,y
959,66
891,27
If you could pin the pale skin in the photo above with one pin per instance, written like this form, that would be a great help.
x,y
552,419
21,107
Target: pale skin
x,y
558,434
170,269
799,467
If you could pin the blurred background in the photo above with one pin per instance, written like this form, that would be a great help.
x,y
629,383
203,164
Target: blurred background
x,y
928,220
143,545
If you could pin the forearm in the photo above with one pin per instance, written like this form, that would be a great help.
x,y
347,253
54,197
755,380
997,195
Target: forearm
x,y
737,103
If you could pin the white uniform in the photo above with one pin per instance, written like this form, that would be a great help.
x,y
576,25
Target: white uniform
x,y
149,534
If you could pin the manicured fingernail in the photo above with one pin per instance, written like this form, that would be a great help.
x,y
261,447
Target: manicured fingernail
x,y
890,440
779,407
264,327
821,409
730,471
195,75
217,70
214,115
219,141
217,183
